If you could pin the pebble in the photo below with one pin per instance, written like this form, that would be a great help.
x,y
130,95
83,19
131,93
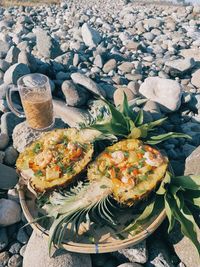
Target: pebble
x,y
109,65
119,95
15,261
12,55
47,46
3,239
15,72
70,115
11,156
74,95
22,236
15,248
90,36
180,66
86,82
37,253
4,258
196,78
126,67
8,177
166,92
4,65
4,140
4,48
137,253
10,212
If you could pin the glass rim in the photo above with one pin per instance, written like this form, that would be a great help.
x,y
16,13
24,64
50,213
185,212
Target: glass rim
x,y
20,80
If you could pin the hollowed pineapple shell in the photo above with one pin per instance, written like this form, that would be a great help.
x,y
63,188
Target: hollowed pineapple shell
x,y
126,192
42,183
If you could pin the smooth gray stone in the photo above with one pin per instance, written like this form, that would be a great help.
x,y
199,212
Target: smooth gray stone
x,y
8,177
86,82
10,212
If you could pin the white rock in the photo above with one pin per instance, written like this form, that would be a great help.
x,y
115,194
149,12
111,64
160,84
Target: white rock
x,y
10,212
70,115
196,78
166,92
36,255
181,65
90,36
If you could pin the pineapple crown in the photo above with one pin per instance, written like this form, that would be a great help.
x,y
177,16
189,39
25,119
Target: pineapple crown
x,y
123,122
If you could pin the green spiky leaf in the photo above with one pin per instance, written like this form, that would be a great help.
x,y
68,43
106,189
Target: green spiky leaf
x,y
151,210
154,140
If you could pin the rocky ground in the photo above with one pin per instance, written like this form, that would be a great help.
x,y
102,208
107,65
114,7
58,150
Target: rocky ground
x,y
102,47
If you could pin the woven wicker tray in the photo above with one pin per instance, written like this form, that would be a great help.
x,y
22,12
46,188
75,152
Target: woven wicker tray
x,y
105,238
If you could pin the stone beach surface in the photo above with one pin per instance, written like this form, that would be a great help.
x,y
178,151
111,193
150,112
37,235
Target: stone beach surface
x,y
150,52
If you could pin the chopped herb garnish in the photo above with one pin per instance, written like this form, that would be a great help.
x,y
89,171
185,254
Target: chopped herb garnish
x,y
141,164
65,141
143,177
107,174
131,169
103,186
142,151
37,148
149,172
126,154
38,173
61,165
69,169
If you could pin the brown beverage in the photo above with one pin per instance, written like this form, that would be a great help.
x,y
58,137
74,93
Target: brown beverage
x,y
38,109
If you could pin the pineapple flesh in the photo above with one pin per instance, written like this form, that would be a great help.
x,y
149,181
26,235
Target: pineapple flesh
x,y
55,159
134,169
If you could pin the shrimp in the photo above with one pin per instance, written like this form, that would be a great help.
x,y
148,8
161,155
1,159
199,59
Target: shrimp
x,y
44,158
118,156
51,141
153,159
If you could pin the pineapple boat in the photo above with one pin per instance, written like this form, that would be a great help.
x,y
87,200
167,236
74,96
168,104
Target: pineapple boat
x,y
130,168
54,160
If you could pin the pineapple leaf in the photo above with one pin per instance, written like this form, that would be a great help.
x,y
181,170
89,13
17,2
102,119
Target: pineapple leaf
x,y
126,111
169,214
193,197
184,217
162,189
191,182
163,137
111,127
153,124
140,118
152,209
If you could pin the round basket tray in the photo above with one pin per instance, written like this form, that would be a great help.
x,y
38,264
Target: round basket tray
x,y
105,238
